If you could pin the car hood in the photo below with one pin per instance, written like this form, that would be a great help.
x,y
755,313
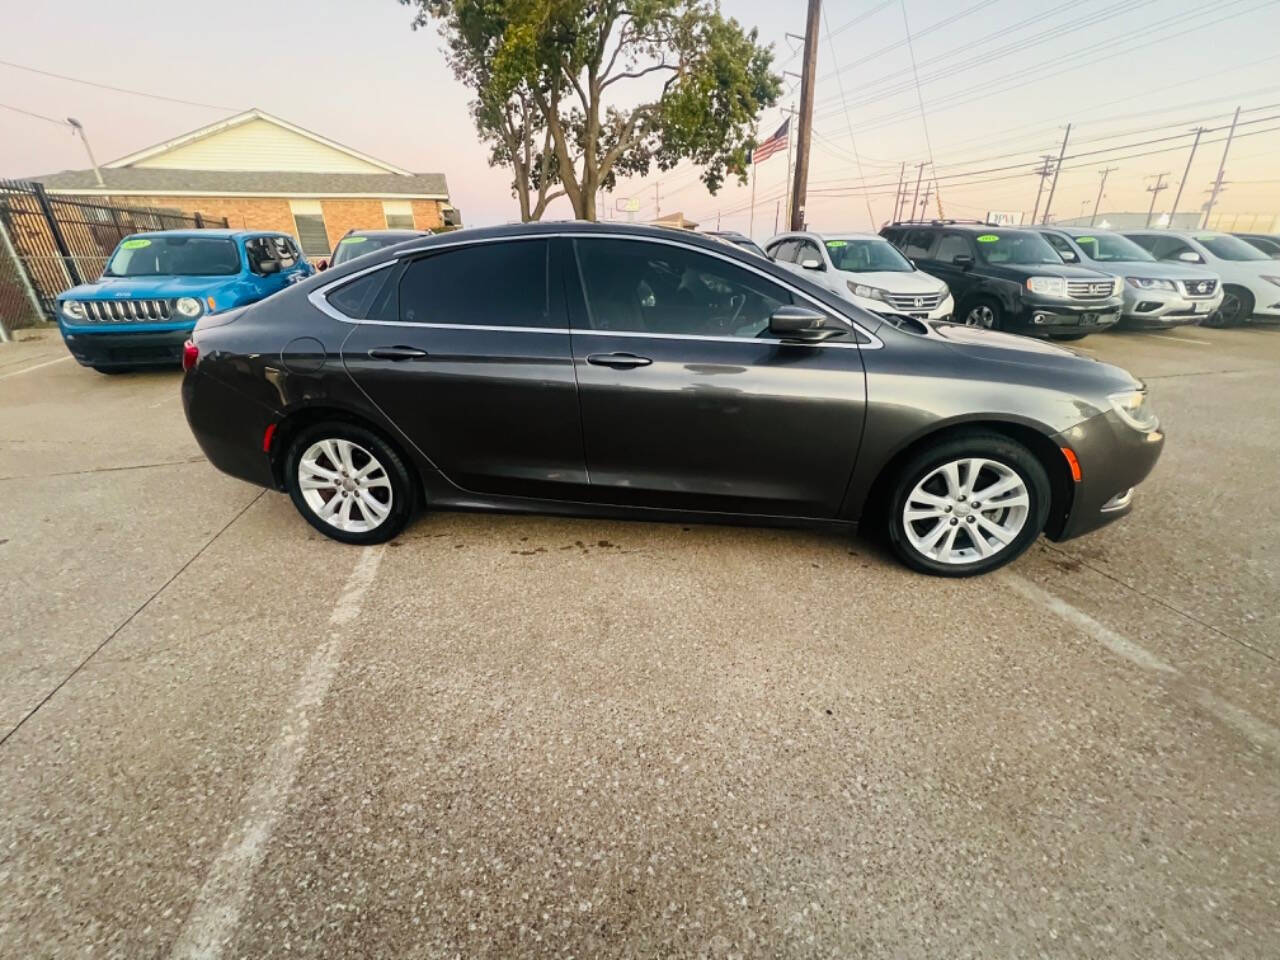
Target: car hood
x,y
1020,271
142,288
994,346
914,282
1156,271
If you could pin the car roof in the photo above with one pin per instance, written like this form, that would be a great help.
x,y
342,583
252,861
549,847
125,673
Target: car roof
x,y
1180,234
210,232
388,234
966,226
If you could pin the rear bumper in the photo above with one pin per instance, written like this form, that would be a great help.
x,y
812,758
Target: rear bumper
x,y
229,427
1048,317
132,349
1114,458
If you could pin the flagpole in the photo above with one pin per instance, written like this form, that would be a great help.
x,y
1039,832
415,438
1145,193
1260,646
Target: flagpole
x,y
752,223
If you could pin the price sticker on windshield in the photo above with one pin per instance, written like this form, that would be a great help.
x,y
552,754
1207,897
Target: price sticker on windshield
x,y
832,244
135,244
988,238
1086,239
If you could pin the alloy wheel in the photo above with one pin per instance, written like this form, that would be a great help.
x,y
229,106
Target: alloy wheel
x,y
345,485
1229,311
966,510
981,316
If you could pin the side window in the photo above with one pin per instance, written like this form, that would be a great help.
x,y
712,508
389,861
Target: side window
x,y
355,298
1063,247
918,243
1147,243
1169,248
286,252
497,284
258,249
809,251
784,252
893,235
637,286
952,245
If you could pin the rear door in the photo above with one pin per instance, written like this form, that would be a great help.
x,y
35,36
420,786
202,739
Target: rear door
x,y
940,262
687,400
468,353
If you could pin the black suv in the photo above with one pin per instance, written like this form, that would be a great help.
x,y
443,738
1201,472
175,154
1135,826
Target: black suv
x,y
1010,278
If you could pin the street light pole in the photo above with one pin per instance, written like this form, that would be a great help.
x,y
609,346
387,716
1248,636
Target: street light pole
x,y
79,128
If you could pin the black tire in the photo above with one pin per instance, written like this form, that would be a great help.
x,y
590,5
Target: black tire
x,y
984,312
1067,337
402,489
989,446
1237,307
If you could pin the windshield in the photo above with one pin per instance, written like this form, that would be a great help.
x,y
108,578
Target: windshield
x,y
1227,247
174,257
351,247
1106,247
1007,247
867,255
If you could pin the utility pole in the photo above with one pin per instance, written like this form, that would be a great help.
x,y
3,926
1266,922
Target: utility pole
x,y
1044,170
924,204
898,198
1185,173
1101,186
801,186
76,125
916,199
1222,168
1154,190
1056,170
791,112
657,200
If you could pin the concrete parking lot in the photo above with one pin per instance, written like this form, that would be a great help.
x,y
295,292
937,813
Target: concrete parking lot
x,y
523,736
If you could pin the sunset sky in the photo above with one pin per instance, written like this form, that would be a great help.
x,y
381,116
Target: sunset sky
x,y
1000,79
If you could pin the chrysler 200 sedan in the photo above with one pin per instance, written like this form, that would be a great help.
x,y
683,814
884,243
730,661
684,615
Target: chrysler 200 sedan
x,y
617,370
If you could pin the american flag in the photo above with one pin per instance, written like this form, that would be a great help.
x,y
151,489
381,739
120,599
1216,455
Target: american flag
x,y
773,145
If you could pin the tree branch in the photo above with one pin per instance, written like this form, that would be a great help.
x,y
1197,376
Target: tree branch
x,y
635,74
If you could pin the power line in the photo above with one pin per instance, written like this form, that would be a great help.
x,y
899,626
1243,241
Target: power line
x,y
38,116
107,86
871,217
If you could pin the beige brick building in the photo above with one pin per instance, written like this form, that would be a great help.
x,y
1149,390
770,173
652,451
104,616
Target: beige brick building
x,y
259,171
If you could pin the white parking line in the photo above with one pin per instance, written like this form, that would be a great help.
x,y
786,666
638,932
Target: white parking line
x,y
1167,336
216,913
1242,721
47,363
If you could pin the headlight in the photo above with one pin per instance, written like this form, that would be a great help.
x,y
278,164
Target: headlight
x,y
1275,280
1150,283
869,293
1134,409
188,306
73,309
1047,286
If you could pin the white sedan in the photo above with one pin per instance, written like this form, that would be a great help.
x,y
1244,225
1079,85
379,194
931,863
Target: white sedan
x,y
864,269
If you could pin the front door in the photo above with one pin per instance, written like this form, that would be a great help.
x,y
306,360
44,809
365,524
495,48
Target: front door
x,y
940,263
471,360
689,402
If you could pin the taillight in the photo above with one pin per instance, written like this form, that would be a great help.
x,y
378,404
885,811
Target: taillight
x,y
190,354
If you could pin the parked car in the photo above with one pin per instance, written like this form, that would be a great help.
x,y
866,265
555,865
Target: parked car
x,y
356,243
696,380
1268,243
1250,279
1155,294
738,240
865,269
1009,278
155,287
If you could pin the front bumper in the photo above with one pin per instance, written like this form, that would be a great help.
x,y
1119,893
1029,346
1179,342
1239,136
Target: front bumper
x,y
1166,308
942,311
1049,317
118,350
1114,458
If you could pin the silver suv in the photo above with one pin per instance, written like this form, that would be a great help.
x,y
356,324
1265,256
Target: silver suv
x,y
1156,294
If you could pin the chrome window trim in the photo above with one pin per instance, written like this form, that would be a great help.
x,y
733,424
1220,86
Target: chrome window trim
x,y
318,296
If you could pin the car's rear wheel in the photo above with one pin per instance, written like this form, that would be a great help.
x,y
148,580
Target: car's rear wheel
x,y
1237,306
984,312
967,505
348,483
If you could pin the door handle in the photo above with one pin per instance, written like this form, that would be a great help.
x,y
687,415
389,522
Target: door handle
x,y
619,361
397,353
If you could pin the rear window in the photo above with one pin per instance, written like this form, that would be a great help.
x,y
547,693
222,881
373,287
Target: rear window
x,y
351,247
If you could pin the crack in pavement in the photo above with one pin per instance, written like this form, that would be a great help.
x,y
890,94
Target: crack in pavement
x,y
129,619
78,473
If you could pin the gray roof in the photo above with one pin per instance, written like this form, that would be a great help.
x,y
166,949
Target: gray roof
x,y
239,182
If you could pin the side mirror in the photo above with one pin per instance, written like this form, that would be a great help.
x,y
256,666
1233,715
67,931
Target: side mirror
x,y
322,265
1068,256
962,260
793,322
811,264
1190,256
268,267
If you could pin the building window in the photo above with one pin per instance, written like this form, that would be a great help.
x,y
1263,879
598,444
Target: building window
x,y
308,220
399,214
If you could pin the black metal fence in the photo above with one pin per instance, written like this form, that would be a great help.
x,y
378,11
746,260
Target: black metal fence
x,y
61,241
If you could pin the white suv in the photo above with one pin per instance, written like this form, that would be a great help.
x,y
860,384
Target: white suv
x,y
1250,279
866,270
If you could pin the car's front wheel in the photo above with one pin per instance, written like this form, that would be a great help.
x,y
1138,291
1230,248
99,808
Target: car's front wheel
x,y
348,483
1237,306
967,505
